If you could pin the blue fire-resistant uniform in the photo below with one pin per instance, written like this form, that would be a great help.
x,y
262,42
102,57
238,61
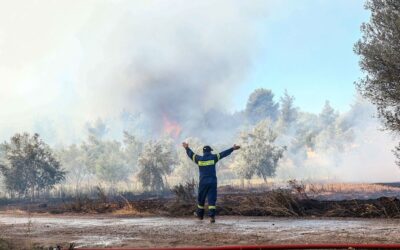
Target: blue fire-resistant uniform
x,y
208,179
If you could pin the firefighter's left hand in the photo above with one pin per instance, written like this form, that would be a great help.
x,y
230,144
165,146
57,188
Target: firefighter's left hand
x,y
236,147
185,145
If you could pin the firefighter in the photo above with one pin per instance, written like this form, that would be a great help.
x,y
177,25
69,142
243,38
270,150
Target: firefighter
x,y
208,177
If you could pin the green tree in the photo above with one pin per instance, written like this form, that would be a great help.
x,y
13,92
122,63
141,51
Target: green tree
x,y
327,116
156,162
72,159
259,154
379,50
30,166
288,114
186,170
261,105
93,148
106,159
111,166
287,110
132,149
303,137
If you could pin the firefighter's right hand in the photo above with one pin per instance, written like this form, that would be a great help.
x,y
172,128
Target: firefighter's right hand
x,y
185,145
236,147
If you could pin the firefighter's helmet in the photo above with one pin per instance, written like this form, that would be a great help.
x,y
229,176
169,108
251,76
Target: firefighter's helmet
x,y
207,149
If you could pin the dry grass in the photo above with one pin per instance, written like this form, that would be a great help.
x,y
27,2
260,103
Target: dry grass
x,y
298,200
185,193
278,202
347,191
318,190
349,188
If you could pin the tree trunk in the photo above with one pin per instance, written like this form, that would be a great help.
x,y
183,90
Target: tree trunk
x,y
32,193
166,182
77,187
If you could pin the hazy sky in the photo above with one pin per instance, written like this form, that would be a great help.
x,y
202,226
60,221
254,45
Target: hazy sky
x,y
68,62
63,63
307,48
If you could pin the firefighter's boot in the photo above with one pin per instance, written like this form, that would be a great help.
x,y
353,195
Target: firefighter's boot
x,y
200,212
211,213
212,219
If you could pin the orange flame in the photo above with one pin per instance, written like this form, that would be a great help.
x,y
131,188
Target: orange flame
x,y
171,128
311,153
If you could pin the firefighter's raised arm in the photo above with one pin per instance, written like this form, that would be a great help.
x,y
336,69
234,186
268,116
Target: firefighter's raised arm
x,y
189,152
227,152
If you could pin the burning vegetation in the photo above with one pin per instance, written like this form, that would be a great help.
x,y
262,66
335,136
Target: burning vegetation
x,y
279,142
171,128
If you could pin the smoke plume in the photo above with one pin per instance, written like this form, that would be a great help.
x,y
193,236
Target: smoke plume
x,y
169,61
151,67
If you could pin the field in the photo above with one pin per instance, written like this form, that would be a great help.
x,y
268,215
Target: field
x,y
312,213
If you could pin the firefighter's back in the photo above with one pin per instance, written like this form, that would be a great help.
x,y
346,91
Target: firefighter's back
x,y
206,165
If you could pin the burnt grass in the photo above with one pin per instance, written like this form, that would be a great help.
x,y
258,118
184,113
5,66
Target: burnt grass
x,y
181,202
284,203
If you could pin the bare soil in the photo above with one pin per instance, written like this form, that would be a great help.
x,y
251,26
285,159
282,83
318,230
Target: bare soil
x,y
121,231
268,217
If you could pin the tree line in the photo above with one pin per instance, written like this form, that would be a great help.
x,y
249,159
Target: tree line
x,y
273,133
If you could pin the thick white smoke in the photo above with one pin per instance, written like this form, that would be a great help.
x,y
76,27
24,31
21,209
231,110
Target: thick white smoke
x,y
358,150
153,63
66,63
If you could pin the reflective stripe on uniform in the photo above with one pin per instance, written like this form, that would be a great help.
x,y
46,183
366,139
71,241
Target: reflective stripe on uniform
x,y
201,207
206,163
194,157
212,207
218,156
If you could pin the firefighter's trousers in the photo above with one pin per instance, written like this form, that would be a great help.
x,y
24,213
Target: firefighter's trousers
x,y
207,189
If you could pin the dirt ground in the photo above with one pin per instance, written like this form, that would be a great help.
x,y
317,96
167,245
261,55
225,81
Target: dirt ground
x,y
122,231
268,217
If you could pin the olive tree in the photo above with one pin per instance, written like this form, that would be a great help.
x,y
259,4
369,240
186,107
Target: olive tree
x,y
186,170
73,160
156,161
259,155
379,51
29,166
132,149
106,160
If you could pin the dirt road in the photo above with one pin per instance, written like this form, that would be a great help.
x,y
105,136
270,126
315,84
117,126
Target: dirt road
x,y
94,230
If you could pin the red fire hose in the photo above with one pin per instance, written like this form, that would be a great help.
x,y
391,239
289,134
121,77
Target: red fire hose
x,y
295,246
